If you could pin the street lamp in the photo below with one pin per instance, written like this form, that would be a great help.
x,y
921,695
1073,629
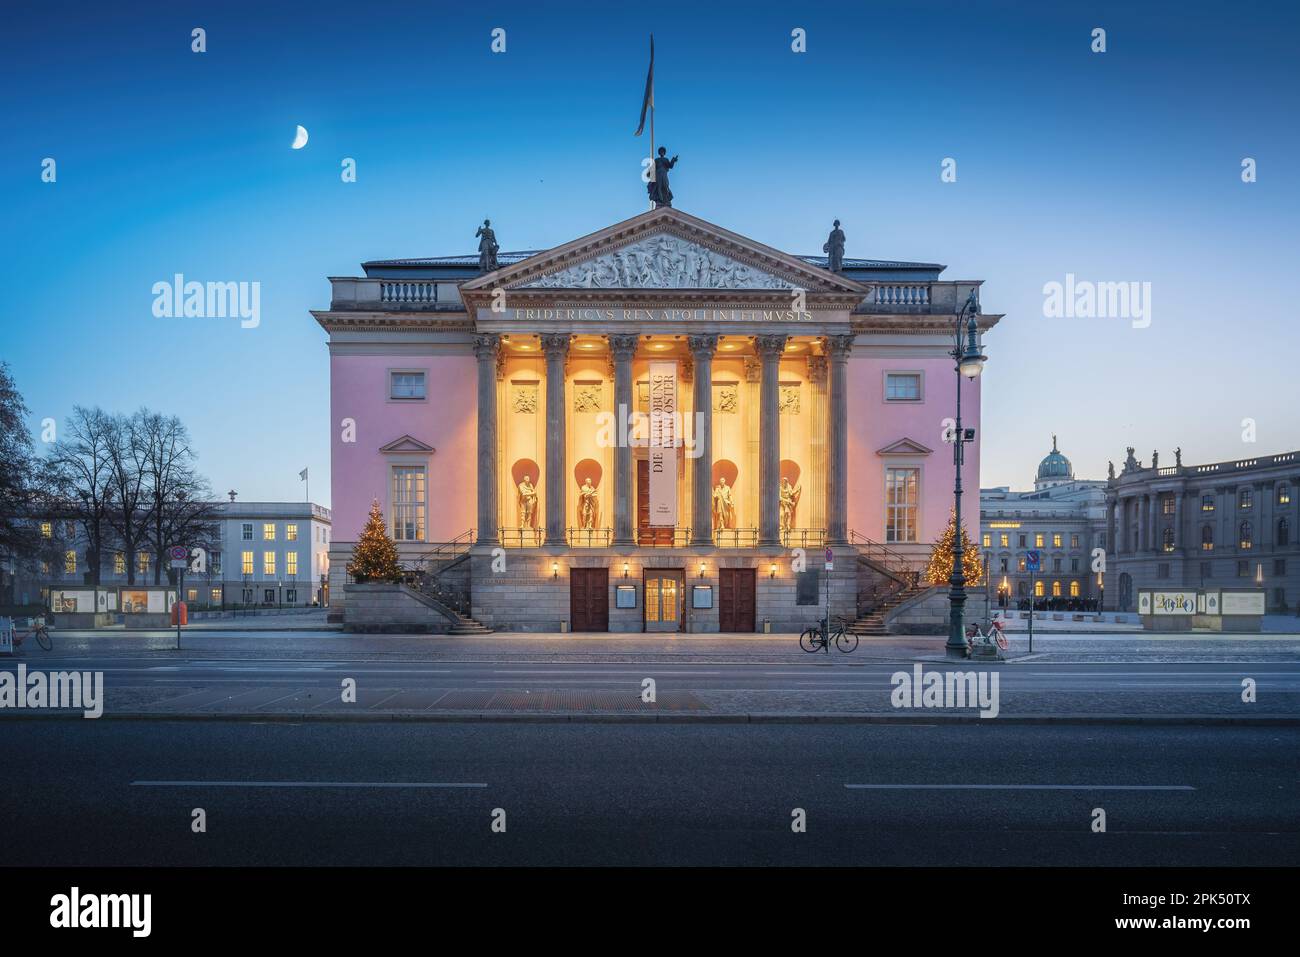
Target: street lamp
x,y
969,363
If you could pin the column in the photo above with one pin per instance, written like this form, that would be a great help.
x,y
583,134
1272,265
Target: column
x,y
1112,530
486,350
702,350
1153,512
770,349
837,472
623,348
1178,522
556,348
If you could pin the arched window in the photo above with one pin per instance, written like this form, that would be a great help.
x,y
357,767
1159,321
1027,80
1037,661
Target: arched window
x,y
1283,532
1245,541
1207,538
1022,589
1038,589
1169,540
1056,589
1074,589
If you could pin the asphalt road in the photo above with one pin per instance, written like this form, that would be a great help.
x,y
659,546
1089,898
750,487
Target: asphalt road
x,y
812,684
123,793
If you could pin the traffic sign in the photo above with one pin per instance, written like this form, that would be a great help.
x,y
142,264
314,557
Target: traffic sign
x,y
1033,560
179,552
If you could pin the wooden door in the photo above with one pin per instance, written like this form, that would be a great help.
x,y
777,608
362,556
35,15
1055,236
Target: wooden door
x,y
665,599
736,599
589,599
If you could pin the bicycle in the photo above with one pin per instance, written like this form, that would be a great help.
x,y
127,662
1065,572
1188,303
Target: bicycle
x,y
994,634
40,631
814,638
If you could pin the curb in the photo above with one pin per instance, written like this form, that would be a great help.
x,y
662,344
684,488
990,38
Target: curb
x,y
509,717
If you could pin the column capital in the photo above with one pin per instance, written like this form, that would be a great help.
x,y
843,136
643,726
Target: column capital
x,y
556,344
703,347
839,347
487,345
817,366
770,346
622,347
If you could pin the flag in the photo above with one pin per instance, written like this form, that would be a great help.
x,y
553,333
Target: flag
x,y
648,101
302,476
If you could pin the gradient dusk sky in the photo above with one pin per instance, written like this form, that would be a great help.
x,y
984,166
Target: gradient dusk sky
x,y
1120,166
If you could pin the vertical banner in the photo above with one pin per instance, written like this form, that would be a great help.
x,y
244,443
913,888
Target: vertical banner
x,y
663,443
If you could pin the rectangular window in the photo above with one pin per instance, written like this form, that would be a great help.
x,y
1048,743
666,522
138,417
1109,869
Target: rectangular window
x,y
246,565
71,529
1056,564
1074,541
1074,564
142,562
902,387
988,540
406,385
70,562
1207,503
214,560
901,495
1243,569
1284,495
268,596
1167,505
268,531
1021,564
119,564
291,563
1005,540
1246,498
1004,565
191,594
408,503
1038,540
246,532
1022,541
1056,539
268,563
291,532
291,596
47,530
215,596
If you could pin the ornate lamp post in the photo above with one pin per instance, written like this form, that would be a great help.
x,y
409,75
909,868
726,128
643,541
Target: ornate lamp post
x,y
969,363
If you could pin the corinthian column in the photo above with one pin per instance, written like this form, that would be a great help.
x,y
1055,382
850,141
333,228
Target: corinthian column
x,y
702,350
769,349
837,474
556,348
486,350
623,348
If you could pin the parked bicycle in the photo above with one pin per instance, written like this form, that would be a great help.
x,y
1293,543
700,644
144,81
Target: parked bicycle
x,y
819,636
994,635
35,627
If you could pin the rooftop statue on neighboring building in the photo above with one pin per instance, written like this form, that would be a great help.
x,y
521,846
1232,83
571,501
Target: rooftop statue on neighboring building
x,y
1155,459
660,194
1110,470
834,249
1130,461
487,247
1178,457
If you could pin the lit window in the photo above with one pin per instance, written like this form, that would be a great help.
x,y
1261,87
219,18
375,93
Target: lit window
x,y
246,533
215,597
291,563
191,594
1038,540
214,562
988,540
268,563
1005,540
45,568
1056,589
291,532
1074,541
408,503
1246,498
1056,539
142,562
901,494
268,531
70,562
903,387
1246,537
47,530
406,385
1168,541
1284,495
1074,589
119,564
1207,503
1207,538
1038,589
1167,505
246,564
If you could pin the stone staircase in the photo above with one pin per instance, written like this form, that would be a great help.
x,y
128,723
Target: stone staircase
x,y
895,568
439,588
872,621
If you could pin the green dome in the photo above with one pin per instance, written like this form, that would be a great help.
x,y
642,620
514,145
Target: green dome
x,y
1055,466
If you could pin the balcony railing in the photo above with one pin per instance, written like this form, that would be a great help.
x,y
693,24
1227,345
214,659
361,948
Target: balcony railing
x,y
364,293
653,537
521,537
803,537
735,537
591,537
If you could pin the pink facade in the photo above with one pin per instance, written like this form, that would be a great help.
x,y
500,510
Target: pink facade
x,y
446,420
876,424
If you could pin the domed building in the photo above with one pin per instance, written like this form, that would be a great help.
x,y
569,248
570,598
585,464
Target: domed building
x,y
1063,518
1055,469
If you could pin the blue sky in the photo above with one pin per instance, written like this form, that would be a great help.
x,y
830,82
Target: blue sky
x,y
1122,166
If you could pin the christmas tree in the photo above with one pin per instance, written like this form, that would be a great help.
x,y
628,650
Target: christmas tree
x,y
939,569
374,557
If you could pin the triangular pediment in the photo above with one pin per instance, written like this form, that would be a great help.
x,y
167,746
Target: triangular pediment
x,y
904,447
665,249
407,443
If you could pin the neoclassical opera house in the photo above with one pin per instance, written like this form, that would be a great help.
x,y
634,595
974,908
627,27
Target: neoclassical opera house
x,y
660,426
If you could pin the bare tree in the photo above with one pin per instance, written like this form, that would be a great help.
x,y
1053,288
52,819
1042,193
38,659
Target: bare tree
x,y
82,462
178,499
127,472
26,490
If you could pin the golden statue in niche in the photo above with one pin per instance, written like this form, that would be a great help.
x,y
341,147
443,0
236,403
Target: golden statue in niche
x,y
588,504
527,502
724,510
789,501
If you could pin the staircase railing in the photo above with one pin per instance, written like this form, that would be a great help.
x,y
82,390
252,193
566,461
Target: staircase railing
x,y
431,567
902,567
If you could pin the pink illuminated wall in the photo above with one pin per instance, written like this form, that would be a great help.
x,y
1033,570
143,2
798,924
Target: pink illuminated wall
x,y
446,420
875,424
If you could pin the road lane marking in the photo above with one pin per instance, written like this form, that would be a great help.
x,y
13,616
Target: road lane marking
x,y
304,784
1020,787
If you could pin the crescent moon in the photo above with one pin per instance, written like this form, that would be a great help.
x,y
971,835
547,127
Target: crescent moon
x,y
300,138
